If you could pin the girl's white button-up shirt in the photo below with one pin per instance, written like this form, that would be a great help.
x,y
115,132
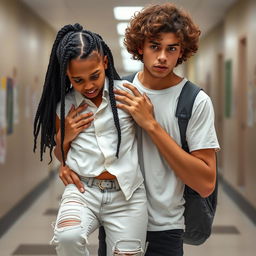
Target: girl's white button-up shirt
x,y
93,150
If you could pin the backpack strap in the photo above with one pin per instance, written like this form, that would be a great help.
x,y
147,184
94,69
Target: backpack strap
x,y
184,109
129,77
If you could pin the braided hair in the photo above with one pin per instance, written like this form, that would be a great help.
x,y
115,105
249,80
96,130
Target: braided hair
x,y
68,46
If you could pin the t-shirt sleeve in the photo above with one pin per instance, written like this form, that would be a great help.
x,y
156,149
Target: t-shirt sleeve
x,y
201,132
120,86
68,104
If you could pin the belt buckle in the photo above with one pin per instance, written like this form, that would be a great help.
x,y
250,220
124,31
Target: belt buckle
x,y
100,185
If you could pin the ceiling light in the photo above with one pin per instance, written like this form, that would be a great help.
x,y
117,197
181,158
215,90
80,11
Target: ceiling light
x,y
121,41
125,12
121,28
129,64
125,54
132,65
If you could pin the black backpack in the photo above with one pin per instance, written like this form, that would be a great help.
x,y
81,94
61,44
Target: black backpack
x,y
199,212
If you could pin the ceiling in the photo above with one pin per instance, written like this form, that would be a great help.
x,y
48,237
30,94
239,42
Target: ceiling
x,y
97,16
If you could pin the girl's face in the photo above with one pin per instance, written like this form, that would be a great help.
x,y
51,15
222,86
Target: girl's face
x,y
88,76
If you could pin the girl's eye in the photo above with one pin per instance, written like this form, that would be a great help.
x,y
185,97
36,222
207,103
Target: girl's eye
x,y
78,81
95,77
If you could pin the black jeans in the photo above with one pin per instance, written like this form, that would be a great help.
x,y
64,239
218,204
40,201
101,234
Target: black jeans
x,y
161,243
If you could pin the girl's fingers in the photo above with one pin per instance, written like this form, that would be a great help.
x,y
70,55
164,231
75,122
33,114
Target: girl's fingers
x,y
69,179
65,175
83,122
81,128
62,177
82,117
75,111
77,182
71,109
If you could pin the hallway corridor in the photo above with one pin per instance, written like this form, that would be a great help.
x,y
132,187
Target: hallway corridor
x,y
233,233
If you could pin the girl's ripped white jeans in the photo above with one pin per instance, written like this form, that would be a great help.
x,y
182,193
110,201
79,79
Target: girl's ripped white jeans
x,y
81,213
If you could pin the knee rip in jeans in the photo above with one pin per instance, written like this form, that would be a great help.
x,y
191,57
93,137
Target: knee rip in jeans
x,y
128,247
70,217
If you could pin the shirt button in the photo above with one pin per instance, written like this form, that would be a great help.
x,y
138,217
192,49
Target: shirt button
x,y
98,134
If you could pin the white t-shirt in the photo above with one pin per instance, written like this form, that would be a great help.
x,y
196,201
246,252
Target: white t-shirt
x,y
93,150
164,188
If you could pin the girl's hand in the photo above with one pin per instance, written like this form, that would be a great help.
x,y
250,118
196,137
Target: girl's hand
x,y
75,123
138,105
70,177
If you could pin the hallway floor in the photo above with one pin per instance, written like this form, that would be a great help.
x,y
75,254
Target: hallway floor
x,y
233,233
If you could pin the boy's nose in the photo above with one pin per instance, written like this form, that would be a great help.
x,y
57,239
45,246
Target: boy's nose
x,y
162,57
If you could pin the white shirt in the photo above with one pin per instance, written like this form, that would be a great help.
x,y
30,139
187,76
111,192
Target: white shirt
x,y
164,189
93,150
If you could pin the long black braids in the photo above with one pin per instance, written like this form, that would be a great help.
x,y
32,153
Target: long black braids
x,y
68,46
112,75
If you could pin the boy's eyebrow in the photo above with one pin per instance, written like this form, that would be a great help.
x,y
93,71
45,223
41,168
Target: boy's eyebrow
x,y
157,43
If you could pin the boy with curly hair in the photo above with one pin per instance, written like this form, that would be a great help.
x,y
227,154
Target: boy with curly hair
x,y
162,37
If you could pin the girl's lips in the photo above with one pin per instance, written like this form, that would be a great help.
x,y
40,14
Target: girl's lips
x,y
91,93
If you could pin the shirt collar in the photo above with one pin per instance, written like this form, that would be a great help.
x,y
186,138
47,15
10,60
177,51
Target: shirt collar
x,y
80,98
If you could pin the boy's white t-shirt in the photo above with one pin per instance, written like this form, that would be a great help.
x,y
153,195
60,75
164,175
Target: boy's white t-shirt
x,y
164,188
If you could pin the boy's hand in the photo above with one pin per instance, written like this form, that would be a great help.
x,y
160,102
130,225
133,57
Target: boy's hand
x,y
70,177
138,105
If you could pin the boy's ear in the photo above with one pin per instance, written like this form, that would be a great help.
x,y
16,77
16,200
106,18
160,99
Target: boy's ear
x,y
140,51
105,61
181,53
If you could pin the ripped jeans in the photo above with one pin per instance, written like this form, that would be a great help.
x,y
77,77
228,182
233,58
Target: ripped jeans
x,y
81,213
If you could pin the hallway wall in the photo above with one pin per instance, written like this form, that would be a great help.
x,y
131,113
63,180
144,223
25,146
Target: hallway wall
x,y
235,107
26,42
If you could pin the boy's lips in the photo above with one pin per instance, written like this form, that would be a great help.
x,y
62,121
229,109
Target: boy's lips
x,y
160,68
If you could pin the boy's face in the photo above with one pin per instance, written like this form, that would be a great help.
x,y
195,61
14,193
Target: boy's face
x,y
160,55
88,75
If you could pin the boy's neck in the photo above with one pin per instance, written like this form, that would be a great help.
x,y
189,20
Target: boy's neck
x,y
151,82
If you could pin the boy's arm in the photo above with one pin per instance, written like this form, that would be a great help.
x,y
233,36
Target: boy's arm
x,y
197,170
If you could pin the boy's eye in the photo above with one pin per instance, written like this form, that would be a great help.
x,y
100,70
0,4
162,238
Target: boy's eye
x,y
154,47
171,49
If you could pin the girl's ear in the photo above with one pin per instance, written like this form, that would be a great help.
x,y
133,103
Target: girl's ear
x,y
105,61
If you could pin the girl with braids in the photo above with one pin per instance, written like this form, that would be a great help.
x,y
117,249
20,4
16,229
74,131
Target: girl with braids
x,y
78,96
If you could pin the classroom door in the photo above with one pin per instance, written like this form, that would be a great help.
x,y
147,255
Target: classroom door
x,y
241,109
220,105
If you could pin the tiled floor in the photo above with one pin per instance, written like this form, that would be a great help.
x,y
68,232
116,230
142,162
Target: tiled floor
x,y
233,233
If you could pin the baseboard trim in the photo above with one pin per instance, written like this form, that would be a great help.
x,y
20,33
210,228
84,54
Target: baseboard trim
x,y
17,210
245,206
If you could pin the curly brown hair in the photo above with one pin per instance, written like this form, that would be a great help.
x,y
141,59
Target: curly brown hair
x,y
164,18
